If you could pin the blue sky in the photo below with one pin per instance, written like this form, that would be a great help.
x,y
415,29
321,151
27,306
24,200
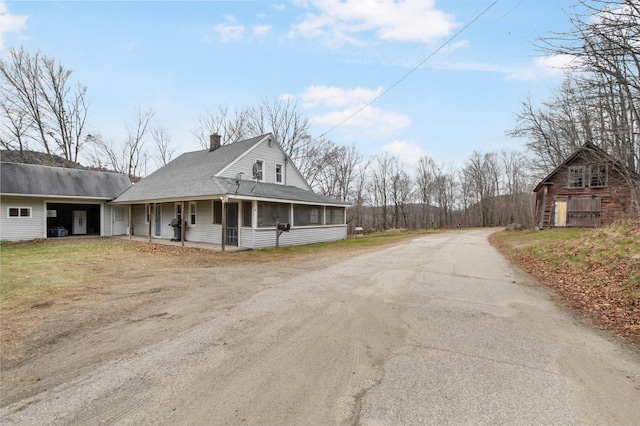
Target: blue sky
x,y
331,57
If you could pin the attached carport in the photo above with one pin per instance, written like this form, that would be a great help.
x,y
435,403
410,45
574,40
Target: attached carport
x,y
73,219
41,201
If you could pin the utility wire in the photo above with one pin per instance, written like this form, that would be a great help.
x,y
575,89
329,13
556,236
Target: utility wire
x,y
415,68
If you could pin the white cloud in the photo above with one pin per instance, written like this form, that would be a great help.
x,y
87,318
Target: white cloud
x,y
230,31
408,152
9,23
335,96
348,107
347,21
373,122
553,66
261,29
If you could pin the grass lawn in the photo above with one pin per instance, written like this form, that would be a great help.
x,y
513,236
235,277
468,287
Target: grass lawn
x,y
36,272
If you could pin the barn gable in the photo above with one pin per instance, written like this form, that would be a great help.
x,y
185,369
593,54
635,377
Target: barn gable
x,y
588,189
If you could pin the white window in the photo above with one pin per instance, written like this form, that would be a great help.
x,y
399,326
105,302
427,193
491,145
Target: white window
x,y
179,211
259,170
192,213
147,213
19,212
278,173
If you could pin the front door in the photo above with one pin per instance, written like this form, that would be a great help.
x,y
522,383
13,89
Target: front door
x,y
79,222
560,213
119,224
232,224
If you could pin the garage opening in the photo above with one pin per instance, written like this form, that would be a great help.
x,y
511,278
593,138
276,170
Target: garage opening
x,y
72,219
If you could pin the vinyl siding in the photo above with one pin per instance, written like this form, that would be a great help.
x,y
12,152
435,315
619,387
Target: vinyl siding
x,y
17,229
297,236
139,217
22,228
270,157
204,231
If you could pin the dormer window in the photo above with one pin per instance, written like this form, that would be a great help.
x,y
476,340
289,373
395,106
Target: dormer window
x,y
576,177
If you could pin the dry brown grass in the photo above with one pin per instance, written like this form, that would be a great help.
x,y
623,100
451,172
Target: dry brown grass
x,y
596,271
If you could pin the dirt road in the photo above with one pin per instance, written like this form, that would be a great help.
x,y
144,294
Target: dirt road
x,y
439,330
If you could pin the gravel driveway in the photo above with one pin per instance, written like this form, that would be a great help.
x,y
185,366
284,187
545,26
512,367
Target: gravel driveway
x,y
438,330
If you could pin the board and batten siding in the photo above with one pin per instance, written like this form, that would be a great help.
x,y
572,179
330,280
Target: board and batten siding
x,y
270,156
266,237
22,228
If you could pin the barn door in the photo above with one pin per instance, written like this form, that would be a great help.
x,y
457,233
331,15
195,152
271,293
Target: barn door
x,y
560,213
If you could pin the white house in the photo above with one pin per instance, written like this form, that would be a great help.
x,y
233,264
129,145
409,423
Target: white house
x,y
239,192
41,201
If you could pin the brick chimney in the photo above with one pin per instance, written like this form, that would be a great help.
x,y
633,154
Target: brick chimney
x,y
214,142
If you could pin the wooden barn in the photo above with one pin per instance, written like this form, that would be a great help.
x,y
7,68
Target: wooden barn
x,y
588,189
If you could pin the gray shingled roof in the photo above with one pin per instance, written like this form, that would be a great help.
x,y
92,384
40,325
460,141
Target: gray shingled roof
x,y
192,176
31,179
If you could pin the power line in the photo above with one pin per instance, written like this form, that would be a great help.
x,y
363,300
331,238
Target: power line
x,y
387,90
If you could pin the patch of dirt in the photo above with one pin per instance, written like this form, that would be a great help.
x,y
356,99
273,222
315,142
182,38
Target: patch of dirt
x,y
142,296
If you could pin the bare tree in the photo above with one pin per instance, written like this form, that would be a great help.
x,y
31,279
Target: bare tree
x,y
287,123
164,151
427,172
232,127
38,100
129,157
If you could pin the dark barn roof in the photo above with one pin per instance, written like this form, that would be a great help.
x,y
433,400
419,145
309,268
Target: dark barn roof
x,y
30,179
588,147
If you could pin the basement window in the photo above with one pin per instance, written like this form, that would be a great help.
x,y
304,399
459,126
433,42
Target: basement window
x,y
576,177
19,212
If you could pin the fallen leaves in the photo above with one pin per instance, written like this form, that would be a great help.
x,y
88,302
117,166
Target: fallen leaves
x,y
597,274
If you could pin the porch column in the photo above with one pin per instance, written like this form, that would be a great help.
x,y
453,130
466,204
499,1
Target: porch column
x,y
223,240
183,225
254,214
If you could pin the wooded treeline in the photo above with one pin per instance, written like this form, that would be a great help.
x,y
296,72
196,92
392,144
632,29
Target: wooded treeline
x,y
41,109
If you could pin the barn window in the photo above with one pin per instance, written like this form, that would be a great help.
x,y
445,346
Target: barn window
x,y
576,177
19,212
598,175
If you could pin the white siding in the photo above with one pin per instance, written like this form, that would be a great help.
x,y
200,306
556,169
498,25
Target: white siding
x,y
17,229
270,156
297,236
204,231
105,223
247,237
139,217
22,228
